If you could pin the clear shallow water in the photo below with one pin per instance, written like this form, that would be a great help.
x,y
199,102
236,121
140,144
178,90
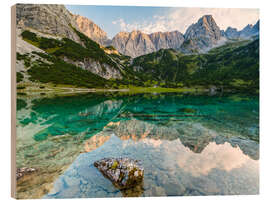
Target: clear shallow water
x,y
189,145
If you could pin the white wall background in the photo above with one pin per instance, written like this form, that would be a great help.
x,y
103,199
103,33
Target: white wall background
x,y
264,99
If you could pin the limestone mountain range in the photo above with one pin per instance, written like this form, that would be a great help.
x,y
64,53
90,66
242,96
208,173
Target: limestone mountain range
x,y
77,40
137,43
200,36
246,32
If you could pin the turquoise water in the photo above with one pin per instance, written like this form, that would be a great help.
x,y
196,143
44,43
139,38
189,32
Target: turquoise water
x,y
189,144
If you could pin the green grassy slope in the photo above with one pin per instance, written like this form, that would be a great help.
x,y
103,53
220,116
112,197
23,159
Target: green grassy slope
x,y
234,65
57,71
58,49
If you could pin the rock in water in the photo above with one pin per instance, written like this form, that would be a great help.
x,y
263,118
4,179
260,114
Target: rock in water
x,y
123,172
20,172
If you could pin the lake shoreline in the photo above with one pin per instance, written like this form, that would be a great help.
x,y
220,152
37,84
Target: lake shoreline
x,y
50,89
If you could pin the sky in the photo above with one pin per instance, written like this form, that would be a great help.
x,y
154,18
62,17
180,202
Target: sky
x,y
113,19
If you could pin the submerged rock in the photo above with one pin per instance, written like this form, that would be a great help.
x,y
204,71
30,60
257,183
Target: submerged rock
x,y
187,110
20,172
123,172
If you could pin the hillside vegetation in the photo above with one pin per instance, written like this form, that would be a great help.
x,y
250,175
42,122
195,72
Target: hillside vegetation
x,y
232,66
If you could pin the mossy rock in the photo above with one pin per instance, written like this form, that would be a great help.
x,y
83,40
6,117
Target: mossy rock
x,y
125,173
115,164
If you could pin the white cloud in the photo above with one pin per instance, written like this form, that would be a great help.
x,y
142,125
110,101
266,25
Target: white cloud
x,y
146,26
180,18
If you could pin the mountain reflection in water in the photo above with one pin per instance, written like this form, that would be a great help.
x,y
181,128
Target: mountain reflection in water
x,y
189,145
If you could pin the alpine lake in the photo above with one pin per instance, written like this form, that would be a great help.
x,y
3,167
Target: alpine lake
x,y
189,144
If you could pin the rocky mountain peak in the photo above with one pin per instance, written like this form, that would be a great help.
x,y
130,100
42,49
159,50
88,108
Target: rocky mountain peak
x,y
166,40
122,34
249,26
202,35
137,43
232,33
46,18
205,27
56,20
135,33
90,29
229,29
257,25
206,20
250,30
246,33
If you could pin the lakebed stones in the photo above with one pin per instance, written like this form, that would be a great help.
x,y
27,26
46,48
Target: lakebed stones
x,y
123,172
20,172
